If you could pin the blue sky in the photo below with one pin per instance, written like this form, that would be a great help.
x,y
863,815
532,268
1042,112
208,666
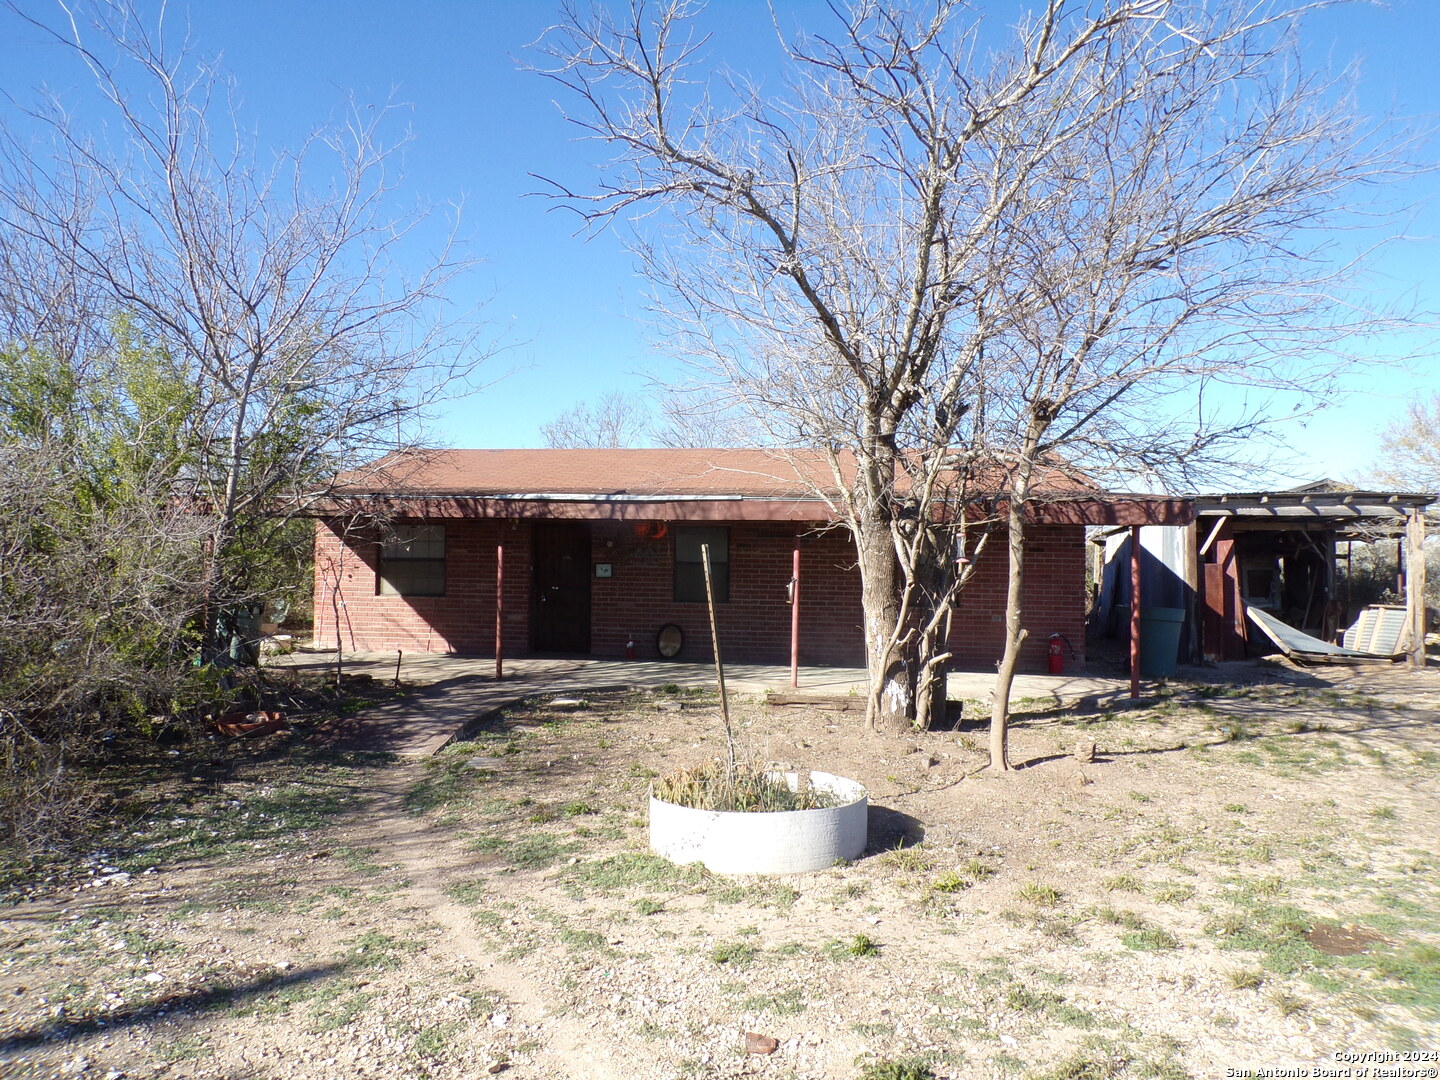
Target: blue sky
x,y
573,311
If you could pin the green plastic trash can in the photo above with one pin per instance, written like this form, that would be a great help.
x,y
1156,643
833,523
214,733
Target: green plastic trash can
x,y
1160,640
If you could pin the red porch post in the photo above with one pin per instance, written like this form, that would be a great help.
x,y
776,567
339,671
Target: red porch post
x,y
795,618
500,611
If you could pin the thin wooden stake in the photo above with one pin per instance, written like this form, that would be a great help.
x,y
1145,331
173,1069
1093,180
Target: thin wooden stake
x,y
719,665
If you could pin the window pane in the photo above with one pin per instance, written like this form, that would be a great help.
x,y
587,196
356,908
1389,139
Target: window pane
x,y
412,577
412,561
414,542
688,541
690,570
689,583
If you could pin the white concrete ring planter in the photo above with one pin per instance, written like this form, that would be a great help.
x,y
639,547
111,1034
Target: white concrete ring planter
x,y
783,842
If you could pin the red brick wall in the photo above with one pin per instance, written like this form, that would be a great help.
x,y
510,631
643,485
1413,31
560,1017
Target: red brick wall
x,y
755,622
638,598
463,620
1053,600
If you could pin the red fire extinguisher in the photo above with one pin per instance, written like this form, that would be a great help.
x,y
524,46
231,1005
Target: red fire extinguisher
x,y
1057,658
630,648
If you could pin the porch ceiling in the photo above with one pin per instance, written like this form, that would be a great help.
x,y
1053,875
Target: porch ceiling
x,y
1313,504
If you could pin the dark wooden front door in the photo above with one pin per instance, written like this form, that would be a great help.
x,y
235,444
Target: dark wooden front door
x,y
562,588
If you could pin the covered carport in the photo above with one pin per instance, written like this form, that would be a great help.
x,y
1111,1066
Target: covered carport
x,y
1274,552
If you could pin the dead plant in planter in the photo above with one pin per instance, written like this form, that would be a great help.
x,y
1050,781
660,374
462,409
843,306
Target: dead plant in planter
x,y
739,786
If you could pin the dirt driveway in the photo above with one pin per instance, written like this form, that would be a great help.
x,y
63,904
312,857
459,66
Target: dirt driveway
x,y
1243,879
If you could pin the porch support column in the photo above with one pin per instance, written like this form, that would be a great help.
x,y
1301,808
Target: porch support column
x,y
1134,611
795,618
500,611
1415,584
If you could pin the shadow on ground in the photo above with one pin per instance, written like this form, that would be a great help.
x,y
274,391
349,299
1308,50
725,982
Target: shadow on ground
x,y
190,1004
890,829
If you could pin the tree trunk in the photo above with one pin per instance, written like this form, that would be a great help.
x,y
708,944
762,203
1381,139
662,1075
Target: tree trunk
x,y
892,681
1014,637
934,580
930,693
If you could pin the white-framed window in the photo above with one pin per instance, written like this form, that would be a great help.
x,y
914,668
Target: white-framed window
x,y
412,561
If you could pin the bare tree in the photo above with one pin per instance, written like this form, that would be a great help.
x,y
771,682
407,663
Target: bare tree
x,y
615,420
1167,201
195,332
817,265
942,269
670,416
270,279
1410,448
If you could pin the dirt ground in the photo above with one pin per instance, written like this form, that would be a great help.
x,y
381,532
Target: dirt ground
x,y
1245,878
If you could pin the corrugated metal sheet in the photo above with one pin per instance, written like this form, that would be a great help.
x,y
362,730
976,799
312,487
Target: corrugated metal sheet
x,y
1378,630
1301,646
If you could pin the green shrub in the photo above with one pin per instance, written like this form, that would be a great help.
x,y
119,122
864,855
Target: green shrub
x,y
909,1069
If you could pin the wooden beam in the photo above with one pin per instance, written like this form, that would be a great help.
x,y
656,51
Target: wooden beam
x,y
824,702
1330,623
1415,586
1214,535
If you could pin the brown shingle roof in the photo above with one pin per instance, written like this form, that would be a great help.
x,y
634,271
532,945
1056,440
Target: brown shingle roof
x,y
689,473
709,484
686,473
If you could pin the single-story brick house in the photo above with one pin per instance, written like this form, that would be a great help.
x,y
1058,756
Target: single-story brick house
x,y
597,551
